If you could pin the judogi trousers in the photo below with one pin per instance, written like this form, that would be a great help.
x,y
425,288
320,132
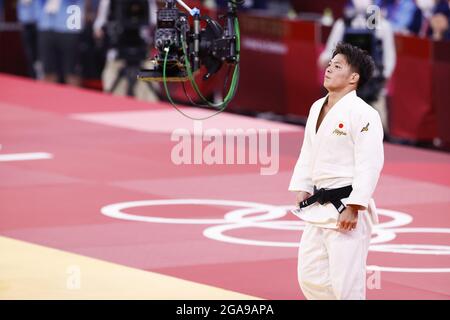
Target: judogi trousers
x,y
332,263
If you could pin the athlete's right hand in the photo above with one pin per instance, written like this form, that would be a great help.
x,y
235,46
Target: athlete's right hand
x,y
301,195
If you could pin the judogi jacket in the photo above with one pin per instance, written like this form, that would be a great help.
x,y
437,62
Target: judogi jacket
x,y
346,150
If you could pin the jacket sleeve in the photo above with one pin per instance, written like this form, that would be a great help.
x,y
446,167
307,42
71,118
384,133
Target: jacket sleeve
x,y
301,178
367,132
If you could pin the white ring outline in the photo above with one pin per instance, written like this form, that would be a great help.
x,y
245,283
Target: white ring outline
x,y
115,210
233,220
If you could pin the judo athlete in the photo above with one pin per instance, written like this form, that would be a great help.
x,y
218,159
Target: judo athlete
x,y
334,178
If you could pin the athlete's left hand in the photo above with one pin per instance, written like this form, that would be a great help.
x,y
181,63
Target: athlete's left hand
x,y
347,219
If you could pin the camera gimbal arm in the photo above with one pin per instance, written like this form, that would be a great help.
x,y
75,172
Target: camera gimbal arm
x,y
184,49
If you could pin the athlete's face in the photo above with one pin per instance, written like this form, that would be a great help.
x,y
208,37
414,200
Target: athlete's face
x,y
339,74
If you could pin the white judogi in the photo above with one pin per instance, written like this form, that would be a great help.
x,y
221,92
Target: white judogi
x,y
346,150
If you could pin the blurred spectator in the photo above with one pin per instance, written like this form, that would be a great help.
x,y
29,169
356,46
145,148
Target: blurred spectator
x,y
399,13
361,24
358,20
431,19
60,23
124,58
27,16
439,26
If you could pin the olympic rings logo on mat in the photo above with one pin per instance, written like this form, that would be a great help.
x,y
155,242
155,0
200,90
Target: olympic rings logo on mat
x,y
268,218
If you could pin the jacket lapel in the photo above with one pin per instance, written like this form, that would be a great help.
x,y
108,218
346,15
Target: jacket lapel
x,y
327,122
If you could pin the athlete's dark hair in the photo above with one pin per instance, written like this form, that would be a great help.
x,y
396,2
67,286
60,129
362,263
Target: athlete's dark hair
x,y
359,60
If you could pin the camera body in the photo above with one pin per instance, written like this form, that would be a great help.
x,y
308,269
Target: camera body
x,y
181,46
169,21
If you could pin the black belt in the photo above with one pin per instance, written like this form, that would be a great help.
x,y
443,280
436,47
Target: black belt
x,y
328,195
